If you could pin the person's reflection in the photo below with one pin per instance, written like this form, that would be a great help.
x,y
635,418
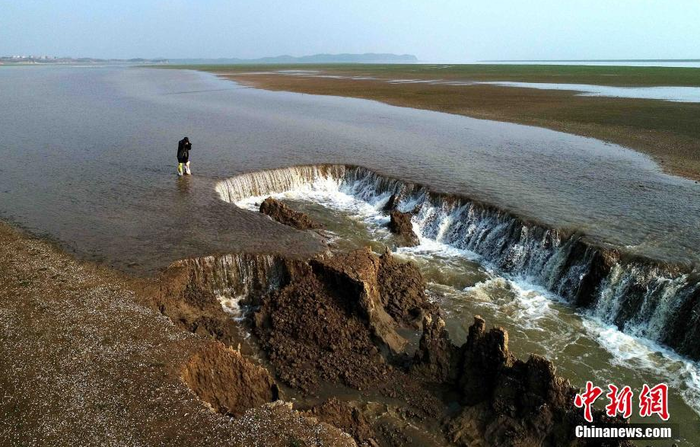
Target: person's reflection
x,y
183,185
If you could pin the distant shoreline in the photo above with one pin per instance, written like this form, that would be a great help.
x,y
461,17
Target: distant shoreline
x,y
590,60
665,130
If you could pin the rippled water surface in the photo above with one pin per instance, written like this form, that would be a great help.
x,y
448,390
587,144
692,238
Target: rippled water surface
x,y
88,158
581,345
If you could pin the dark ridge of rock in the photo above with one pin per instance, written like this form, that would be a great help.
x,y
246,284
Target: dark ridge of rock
x,y
392,203
506,402
227,381
400,225
287,216
436,359
484,356
345,417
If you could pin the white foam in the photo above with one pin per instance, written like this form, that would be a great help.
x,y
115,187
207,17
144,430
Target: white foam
x,y
232,306
531,307
682,375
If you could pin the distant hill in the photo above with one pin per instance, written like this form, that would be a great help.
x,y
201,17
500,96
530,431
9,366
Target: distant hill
x,y
367,58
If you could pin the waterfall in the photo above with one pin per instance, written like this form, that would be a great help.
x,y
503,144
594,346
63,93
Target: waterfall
x,y
275,181
233,277
640,296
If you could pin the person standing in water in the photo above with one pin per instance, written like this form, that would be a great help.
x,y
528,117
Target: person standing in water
x,y
183,156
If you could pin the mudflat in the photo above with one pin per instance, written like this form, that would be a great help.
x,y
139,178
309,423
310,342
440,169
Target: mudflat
x,y
86,362
667,131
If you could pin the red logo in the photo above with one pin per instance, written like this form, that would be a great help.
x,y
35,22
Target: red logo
x,y
620,401
587,399
652,401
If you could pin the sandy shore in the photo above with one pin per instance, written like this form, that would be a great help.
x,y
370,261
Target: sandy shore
x,y
667,131
86,363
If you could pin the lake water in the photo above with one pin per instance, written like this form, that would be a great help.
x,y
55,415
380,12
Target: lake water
x,y
673,94
89,160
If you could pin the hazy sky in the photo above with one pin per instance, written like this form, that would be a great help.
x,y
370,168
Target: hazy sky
x,y
433,30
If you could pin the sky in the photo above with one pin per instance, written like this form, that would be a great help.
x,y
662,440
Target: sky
x,y
433,30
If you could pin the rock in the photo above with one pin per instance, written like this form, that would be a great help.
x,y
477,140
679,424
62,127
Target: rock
x,y
345,417
483,356
508,402
436,358
332,320
389,293
402,290
392,203
313,329
400,224
287,216
227,381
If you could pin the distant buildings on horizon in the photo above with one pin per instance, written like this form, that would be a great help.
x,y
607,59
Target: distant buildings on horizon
x,y
32,59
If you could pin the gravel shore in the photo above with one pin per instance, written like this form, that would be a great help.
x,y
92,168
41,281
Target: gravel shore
x,y
85,363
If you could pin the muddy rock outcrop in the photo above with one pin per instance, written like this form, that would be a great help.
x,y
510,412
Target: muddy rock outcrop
x,y
181,295
437,358
505,401
392,203
346,417
330,322
285,215
402,291
229,383
400,224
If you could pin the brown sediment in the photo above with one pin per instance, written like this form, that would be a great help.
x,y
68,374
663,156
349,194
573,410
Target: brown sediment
x,y
505,401
330,323
231,384
179,294
285,215
84,362
346,417
667,131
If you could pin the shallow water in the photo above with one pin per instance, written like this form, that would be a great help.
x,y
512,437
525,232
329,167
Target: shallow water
x,y
581,346
89,153
673,94
661,93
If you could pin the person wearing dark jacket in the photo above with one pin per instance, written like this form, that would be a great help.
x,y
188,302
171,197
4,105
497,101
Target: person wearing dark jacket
x,y
183,156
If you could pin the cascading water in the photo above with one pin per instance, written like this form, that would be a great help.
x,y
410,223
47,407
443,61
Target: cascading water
x,y
642,297
234,277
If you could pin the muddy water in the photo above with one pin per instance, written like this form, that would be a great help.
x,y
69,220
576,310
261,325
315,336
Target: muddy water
x,y
88,158
582,347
